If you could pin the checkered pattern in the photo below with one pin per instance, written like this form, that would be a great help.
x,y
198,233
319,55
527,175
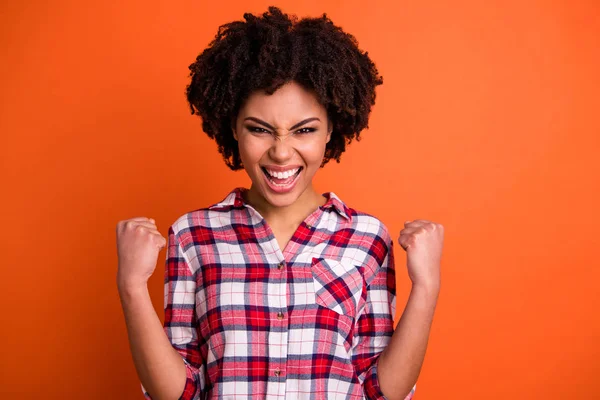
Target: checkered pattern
x,y
252,320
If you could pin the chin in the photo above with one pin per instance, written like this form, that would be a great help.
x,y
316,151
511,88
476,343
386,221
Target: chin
x,y
281,199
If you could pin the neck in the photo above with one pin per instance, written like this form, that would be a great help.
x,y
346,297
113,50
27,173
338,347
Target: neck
x,y
295,213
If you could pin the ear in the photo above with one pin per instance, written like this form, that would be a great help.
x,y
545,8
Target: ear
x,y
232,126
330,130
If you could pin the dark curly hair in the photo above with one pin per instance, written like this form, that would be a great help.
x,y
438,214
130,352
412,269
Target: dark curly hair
x,y
264,53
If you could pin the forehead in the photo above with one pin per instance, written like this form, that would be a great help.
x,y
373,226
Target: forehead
x,y
291,101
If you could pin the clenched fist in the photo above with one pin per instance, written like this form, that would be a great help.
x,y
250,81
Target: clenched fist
x,y
423,241
138,245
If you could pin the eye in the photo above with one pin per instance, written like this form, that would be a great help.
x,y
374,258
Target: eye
x,y
305,130
257,129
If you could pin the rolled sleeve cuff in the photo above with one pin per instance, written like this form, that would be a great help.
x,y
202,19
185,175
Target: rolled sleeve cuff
x,y
191,385
371,385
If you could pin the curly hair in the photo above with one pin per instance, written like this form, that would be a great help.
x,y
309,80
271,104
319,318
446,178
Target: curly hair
x,y
264,53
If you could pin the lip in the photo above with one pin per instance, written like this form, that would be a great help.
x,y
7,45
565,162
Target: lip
x,y
279,189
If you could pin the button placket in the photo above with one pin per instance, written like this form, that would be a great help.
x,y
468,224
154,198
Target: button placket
x,y
280,267
278,338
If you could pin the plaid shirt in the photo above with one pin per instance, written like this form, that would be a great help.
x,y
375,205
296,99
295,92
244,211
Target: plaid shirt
x,y
254,321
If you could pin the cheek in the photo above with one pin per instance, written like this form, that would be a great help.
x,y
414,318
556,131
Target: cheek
x,y
249,153
315,156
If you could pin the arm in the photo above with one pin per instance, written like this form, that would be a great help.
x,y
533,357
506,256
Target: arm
x,y
167,358
400,363
158,365
374,329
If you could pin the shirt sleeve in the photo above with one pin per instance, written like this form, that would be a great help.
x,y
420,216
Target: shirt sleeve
x,y
375,324
180,324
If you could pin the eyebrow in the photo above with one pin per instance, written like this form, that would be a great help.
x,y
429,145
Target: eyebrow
x,y
260,121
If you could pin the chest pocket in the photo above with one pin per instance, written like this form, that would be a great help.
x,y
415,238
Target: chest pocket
x,y
338,285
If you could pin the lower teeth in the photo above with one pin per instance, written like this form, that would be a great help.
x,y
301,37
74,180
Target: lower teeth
x,y
282,184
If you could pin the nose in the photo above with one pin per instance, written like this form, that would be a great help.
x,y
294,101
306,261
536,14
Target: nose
x,y
281,149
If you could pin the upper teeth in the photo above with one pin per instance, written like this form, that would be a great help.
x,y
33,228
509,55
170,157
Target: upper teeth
x,y
283,175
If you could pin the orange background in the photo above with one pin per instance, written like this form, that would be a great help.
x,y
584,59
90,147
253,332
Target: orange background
x,y
487,122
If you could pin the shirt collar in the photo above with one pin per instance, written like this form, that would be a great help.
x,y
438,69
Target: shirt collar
x,y
235,200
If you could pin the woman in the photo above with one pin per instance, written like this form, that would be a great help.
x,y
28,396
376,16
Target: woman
x,y
278,291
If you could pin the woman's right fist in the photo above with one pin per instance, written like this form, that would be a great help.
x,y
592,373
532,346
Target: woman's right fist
x,y
138,245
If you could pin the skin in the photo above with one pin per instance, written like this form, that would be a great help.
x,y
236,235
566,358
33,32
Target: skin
x,y
287,107
159,366
401,361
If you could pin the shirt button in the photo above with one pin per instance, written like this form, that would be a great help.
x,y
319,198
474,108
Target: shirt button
x,y
277,372
279,315
281,265
309,226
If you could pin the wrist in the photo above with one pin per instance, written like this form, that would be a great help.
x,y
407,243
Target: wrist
x,y
130,289
429,289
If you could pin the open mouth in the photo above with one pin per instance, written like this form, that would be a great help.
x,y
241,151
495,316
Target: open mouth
x,y
281,182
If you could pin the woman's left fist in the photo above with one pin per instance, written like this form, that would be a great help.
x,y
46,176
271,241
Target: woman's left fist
x,y
423,241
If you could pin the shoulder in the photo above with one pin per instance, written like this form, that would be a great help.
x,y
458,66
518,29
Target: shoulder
x,y
374,239
205,221
202,218
370,226
358,221
195,230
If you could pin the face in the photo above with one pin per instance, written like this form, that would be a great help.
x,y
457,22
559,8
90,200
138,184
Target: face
x,y
281,139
